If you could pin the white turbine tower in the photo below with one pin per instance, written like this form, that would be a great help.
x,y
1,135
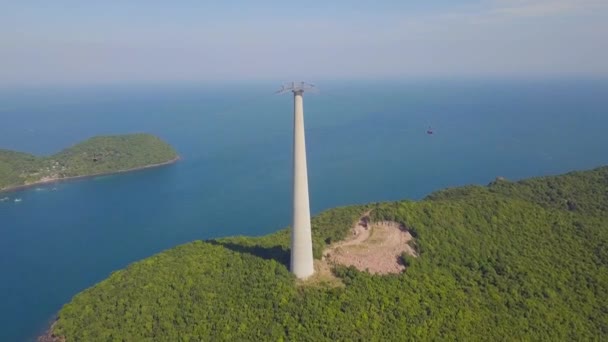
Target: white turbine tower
x,y
301,237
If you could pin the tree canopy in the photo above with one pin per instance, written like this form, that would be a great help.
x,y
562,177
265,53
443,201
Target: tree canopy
x,y
521,260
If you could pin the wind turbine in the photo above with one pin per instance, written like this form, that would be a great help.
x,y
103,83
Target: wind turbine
x,y
301,264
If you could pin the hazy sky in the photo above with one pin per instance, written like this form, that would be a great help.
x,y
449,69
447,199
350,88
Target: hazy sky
x,y
59,41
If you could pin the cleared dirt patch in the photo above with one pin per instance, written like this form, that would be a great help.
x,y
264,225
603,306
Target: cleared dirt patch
x,y
373,247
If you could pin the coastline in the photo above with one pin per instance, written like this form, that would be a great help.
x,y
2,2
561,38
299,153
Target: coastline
x,y
48,335
57,180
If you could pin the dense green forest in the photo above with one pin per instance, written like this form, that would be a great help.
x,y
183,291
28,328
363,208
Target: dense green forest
x,y
521,260
102,154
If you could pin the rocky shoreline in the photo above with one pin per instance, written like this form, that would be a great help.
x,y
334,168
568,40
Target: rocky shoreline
x,y
48,335
63,179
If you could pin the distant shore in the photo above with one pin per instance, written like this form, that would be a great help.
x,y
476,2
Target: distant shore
x,y
62,179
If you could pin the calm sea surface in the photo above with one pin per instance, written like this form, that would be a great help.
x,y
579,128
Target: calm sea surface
x,y
366,142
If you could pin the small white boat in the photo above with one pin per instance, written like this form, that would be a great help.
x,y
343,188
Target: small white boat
x,y
4,199
17,199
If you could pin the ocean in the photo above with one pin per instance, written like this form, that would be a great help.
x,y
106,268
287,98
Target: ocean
x,y
367,142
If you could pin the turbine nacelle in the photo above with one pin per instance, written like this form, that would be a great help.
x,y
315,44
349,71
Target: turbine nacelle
x,y
297,87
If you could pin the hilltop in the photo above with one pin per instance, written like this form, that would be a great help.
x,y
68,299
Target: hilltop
x,y
97,155
523,260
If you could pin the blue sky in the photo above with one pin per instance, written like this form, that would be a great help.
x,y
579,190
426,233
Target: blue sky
x,y
49,42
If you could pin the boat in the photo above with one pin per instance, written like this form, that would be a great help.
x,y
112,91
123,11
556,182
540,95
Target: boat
x,y
4,199
17,199
429,131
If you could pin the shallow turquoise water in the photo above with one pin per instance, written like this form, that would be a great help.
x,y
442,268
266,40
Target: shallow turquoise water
x,y
366,142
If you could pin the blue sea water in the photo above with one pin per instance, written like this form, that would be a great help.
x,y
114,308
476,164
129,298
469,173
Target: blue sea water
x,y
366,142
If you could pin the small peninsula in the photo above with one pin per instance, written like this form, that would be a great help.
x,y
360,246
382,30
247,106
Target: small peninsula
x,y
524,260
95,156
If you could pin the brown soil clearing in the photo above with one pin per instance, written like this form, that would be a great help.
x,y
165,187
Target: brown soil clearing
x,y
373,247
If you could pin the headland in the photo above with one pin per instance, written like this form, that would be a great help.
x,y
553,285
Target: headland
x,y
100,155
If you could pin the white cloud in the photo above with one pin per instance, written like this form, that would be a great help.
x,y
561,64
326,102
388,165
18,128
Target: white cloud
x,y
539,8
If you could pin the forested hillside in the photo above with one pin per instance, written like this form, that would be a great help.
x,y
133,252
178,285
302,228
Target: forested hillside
x,y
102,154
521,260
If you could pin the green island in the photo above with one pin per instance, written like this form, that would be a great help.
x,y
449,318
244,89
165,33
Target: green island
x,y
524,260
97,155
